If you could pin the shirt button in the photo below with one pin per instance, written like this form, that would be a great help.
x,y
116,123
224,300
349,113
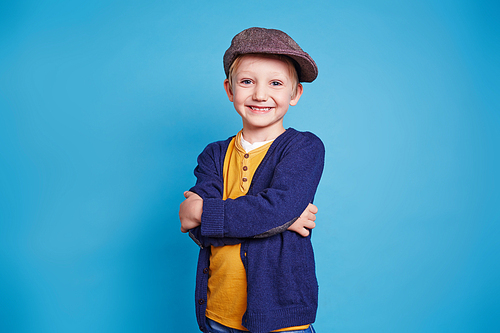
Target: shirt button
x,y
245,179
245,168
201,328
205,270
246,156
201,301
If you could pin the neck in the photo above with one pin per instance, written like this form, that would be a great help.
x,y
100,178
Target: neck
x,y
253,135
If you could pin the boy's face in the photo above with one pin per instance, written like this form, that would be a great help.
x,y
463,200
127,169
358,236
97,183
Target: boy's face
x,y
262,92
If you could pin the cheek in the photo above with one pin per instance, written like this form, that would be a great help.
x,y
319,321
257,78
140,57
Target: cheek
x,y
285,100
239,98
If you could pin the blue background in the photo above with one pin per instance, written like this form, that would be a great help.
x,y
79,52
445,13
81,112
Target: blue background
x,y
105,105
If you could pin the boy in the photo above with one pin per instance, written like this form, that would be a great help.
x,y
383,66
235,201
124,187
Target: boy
x,y
250,210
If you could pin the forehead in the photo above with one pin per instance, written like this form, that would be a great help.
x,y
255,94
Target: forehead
x,y
262,64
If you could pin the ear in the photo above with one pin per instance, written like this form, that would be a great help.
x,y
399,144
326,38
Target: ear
x,y
295,99
229,92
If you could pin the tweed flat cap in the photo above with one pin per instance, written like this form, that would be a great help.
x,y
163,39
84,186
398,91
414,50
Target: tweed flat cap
x,y
271,41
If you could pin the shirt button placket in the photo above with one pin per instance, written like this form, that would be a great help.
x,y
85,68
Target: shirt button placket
x,y
244,174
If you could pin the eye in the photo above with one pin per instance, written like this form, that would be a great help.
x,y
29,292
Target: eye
x,y
246,81
276,83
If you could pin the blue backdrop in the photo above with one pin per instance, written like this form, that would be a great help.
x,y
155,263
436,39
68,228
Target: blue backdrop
x,y
105,105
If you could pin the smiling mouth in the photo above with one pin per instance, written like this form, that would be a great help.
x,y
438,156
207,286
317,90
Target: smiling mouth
x,y
261,109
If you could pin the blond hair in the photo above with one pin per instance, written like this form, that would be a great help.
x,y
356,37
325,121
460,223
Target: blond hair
x,y
292,70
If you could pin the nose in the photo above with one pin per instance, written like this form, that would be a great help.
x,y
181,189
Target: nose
x,y
260,93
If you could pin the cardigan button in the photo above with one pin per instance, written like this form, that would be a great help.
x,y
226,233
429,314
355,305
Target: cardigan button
x,y
201,301
205,270
246,156
245,168
244,179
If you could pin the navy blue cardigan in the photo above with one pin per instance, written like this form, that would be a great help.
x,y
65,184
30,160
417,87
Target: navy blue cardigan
x,y
282,290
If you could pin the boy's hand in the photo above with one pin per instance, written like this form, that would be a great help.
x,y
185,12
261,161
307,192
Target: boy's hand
x,y
190,211
305,221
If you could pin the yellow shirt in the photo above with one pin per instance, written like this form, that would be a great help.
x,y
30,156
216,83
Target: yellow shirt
x,y
227,283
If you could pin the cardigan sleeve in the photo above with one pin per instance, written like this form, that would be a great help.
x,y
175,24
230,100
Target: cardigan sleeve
x,y
295,178
209,185
209,173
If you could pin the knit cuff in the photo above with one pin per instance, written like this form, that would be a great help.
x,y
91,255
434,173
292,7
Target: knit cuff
x,y
212,218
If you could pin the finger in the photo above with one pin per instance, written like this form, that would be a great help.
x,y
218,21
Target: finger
x,y
304,232
311,217
306,213
186,194
308,225
302,228
308,216
305,222
312,208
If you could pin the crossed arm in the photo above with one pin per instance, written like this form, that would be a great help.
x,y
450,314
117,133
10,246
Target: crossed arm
x,y
280,200
192,207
